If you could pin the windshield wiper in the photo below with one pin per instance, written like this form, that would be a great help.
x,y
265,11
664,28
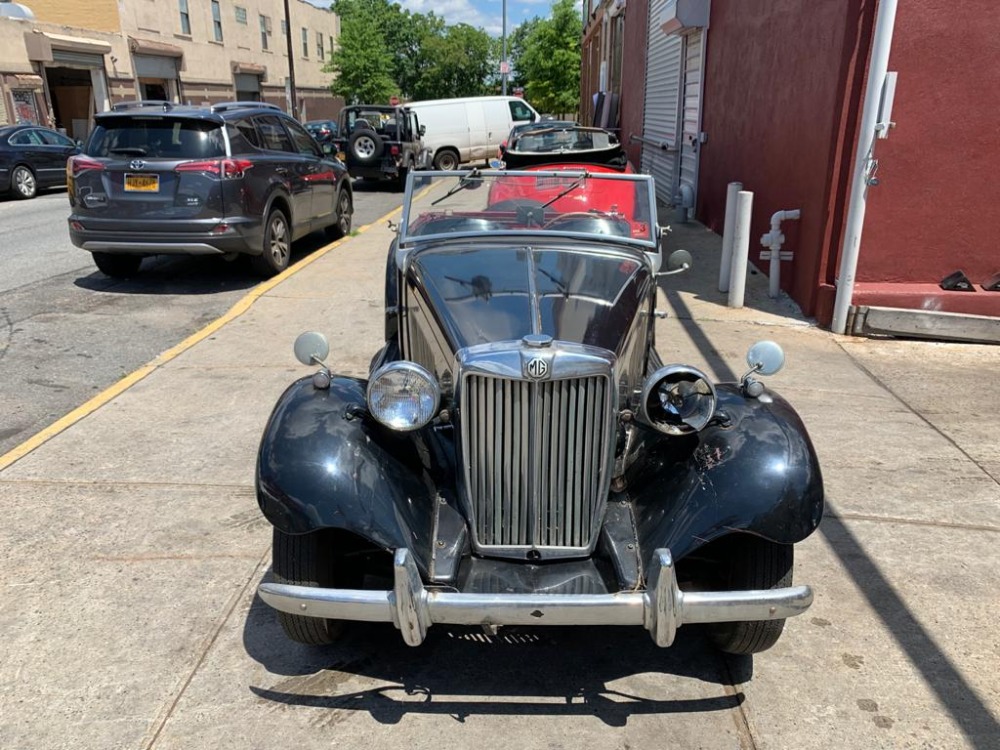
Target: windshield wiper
x,y
470,180
579,181
128,151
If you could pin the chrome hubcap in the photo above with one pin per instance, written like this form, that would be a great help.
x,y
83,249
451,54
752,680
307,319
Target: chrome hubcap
x,y
344,214
279,241
24,181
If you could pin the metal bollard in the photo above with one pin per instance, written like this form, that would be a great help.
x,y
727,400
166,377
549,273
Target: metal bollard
x,y
727,235
741,248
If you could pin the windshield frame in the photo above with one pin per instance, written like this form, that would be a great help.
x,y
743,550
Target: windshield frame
x,y
417,188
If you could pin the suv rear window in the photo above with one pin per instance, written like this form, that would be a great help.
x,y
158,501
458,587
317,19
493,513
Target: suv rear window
x,y
157,137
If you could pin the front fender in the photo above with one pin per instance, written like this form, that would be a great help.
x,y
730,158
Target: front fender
x,y
320,466
758,475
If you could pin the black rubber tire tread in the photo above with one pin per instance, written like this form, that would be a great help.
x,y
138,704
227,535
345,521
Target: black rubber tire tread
x,y
303,560
335,231
401,177
263,264
755,564
376,152
117,266
17,193
446,160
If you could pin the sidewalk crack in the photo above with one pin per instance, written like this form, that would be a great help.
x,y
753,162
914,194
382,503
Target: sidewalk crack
x,y
875,378
160,723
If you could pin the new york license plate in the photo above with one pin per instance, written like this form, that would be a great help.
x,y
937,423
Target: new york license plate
x,y
142,183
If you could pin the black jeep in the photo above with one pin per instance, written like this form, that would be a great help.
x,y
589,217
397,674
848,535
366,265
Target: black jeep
x,y
380,142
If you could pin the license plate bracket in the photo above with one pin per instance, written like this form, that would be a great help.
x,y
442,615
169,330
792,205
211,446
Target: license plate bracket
x,y
142,183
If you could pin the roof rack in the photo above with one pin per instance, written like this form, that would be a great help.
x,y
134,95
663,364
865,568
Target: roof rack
x,y
225,106
142,103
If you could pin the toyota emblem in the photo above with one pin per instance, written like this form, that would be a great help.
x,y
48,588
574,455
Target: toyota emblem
x,y
136,164
537,368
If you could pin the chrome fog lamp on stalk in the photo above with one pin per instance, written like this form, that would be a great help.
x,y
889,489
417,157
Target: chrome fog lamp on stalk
x,y
403,396
677,400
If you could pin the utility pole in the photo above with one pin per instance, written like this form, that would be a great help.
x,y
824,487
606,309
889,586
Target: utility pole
x,y
503,55
291,63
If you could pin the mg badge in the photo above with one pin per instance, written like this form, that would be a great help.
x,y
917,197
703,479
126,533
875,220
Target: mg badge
x,y
537,368
136,164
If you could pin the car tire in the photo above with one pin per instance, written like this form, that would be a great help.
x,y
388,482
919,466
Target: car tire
x,y
277,248
401,177
117,266
344,212
364,146
753,564
23,183
302,560
446,160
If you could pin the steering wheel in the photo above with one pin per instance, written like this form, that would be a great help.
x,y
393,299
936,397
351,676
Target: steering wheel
x,y
595,214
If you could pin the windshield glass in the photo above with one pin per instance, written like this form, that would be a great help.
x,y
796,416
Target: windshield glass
x,y
550,202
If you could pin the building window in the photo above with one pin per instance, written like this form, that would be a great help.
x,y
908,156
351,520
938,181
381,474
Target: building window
x,y
217,20
331,43
320,52
265,31
284,27
185,17
241,15
305,42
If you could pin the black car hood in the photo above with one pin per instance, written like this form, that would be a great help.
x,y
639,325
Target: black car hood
x,y
480,295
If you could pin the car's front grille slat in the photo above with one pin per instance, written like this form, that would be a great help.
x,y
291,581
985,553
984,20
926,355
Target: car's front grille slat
x,y
536,454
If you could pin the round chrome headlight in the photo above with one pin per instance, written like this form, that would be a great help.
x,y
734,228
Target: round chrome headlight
x,y
403,396
677,400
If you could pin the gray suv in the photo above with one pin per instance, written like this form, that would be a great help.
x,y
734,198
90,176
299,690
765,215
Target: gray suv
x,y
242,177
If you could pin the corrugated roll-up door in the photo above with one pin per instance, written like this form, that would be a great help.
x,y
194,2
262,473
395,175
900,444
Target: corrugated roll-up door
x,y
153,66
694,62
663,84
77,59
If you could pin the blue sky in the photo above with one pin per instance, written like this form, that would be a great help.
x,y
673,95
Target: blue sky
x,y
484,13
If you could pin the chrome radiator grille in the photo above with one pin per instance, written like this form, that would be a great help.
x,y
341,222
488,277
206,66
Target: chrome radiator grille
x,y
535,456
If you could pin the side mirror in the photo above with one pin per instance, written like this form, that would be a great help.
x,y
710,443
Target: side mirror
x,y
311,348
766,357
678,262
423,129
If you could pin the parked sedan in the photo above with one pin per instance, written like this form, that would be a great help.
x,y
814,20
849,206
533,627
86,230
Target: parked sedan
x,y
31,158
322,130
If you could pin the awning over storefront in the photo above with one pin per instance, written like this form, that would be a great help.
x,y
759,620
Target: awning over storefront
x,y
78,44
153,49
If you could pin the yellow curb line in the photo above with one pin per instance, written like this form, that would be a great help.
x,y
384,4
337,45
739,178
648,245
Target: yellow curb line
x,y
95,403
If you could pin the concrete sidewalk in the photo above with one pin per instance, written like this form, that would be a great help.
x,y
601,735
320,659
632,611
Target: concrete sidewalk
x,y
133,545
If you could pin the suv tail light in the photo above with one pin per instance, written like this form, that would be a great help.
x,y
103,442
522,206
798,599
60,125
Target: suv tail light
x,y
77,165
224,169
394,150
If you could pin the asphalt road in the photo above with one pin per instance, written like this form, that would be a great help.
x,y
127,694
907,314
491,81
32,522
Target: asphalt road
x,y
67,331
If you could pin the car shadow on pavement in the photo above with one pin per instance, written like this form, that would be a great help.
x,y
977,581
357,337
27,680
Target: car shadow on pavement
x,y
941,675
462,671
193,274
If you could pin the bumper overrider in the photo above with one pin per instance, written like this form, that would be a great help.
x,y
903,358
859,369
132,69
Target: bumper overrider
x,y
661,608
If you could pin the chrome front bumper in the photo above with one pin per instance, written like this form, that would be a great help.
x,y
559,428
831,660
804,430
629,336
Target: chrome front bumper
x,y
661,608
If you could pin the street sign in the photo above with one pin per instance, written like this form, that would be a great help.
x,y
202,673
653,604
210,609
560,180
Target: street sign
x,y
394,101
504,67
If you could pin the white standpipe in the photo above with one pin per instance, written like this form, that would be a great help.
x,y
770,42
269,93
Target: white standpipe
x,y
863,161
773,241
727,235
741,248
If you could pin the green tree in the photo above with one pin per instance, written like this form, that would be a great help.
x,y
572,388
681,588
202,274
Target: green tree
x,y
550,62
516,46
361,60
458,63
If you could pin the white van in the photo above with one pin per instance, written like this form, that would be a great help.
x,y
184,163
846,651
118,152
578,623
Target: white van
x,y
471,128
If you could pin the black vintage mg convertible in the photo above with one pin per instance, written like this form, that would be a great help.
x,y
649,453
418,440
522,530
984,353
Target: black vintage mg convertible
x,y
521,452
